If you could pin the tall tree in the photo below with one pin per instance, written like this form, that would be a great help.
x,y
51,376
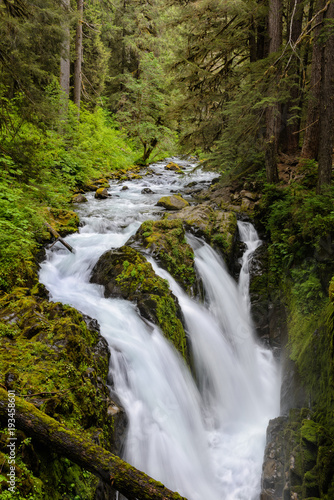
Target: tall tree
x,y
65,52
289,137
311,135
326,101
273,113
78,56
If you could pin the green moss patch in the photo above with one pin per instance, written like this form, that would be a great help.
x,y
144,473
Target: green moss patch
x,y
166,240
49,356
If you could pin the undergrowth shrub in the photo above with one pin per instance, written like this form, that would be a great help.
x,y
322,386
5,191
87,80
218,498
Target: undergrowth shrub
x,y
39,168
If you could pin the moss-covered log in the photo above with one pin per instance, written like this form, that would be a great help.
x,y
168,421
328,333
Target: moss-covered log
x,y
131,482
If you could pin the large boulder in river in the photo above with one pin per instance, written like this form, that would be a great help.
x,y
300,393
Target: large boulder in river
x,y
165,240
173,166
79,198
101,193
217,226
174,202
126,273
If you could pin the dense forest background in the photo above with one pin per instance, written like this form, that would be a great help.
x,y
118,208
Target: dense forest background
x,y
235,81
91,87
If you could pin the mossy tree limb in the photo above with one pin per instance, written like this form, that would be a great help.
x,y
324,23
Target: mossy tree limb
x,y
131,482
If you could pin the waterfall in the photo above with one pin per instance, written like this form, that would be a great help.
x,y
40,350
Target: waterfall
x,y
203,437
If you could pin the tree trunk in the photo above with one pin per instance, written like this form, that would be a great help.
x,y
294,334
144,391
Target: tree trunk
x,y
273,113
65,64
311,136
290,136
78,56
65,52
326,124
131,482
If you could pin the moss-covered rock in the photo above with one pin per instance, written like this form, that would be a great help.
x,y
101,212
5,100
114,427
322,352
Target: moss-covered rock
x,y
63,221
217,226
173,202
101,193
173,166
165,239
126,273
95,184
79,198
298,458
56,359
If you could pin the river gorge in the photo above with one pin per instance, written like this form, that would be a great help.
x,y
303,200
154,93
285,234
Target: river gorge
x,y
200,431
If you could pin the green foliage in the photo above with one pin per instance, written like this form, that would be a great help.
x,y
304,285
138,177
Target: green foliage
x,y
57,163
297,220
307,290
143,109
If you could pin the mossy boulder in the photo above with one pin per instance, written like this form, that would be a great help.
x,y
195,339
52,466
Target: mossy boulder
x,y
63,221
173,166
165,240
174,202
79,198
301,450
126,273
101,193
95,184
217,226
56,359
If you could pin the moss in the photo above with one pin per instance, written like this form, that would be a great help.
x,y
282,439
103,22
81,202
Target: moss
x,y
170,324
166,239
173,202
47,356
126,273
63,221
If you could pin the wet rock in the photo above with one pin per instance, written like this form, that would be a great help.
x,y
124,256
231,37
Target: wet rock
x,y
95,184
193,190
174,202
101,193
124,188
173,166
249,195
273,479
147,191
126,273
63,221
79,198
217,226
258,291
165,240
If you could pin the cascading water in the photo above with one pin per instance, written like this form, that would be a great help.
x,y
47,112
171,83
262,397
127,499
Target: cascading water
x,y
203,439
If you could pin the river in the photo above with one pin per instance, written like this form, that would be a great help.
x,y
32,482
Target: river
x,y
202,435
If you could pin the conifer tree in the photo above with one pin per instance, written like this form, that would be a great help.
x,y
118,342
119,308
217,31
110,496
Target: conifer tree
x,y
78,56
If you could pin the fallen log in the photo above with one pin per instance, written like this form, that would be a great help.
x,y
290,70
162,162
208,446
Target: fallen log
x,y
128,480
59,238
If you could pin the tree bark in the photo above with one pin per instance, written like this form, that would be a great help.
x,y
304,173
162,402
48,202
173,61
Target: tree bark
x,y
78,56
311,136
290,134
273,113
65,53
128,480
58,237
65,62
326,123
